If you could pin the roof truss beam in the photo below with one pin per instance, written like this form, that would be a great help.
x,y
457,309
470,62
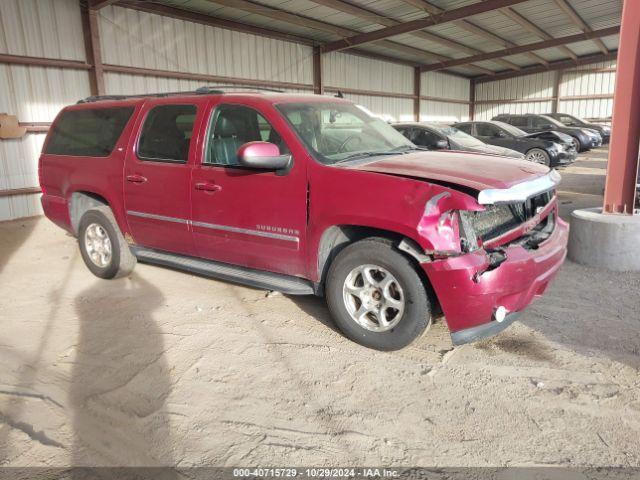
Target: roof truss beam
x,y
533,28
559,65
580,37
579,22
408,27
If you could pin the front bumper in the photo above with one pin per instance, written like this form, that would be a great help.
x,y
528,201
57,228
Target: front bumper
x,y
564,157
469,297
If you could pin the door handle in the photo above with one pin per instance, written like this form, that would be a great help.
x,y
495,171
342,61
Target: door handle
x,y
208,187
136,179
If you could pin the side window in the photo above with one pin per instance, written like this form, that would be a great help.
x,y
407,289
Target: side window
x,y
166,133
425,138
88,132
486,130
231,127
466,128
539,122
518,121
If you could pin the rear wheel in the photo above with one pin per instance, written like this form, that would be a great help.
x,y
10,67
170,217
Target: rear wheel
x,y
102,245
376,296
537,155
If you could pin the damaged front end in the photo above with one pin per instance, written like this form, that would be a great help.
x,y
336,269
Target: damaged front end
x,y
510,246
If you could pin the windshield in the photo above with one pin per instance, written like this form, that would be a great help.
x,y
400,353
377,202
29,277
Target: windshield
x,y
553,121
459,137
515,131
334,132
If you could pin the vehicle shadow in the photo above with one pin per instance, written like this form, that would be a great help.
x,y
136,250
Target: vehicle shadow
x,y
315,307
120,380
12,235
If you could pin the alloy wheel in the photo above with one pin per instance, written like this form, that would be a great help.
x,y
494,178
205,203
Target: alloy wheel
x,y
373,298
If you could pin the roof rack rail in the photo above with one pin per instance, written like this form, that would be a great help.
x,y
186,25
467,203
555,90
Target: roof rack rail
x,y
205,90
214,88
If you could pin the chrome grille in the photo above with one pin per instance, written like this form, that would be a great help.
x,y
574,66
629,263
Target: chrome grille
x,y
497,220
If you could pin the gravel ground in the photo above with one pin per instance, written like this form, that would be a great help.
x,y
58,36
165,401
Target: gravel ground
x,y
166,368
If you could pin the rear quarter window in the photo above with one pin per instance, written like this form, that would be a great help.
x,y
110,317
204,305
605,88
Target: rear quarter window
x,y
88,132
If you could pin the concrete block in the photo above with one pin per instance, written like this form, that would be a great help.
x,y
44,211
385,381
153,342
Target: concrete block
x,y
607,241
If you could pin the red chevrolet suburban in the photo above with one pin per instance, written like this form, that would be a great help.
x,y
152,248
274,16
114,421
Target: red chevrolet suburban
x,y
305,194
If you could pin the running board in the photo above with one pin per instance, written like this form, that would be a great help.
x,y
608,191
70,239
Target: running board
x,y
224,271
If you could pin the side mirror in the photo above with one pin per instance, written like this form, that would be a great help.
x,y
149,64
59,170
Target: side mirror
x,y
548,126
499,134
442,145
262,156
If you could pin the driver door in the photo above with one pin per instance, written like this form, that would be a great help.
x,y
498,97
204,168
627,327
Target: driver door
x,y
243,216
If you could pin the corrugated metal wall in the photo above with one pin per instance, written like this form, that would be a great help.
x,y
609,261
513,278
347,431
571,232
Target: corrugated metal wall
x,y
40,28
347,71
590,82
447,87
529,87
139,39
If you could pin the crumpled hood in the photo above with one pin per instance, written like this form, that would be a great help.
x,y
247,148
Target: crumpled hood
x,y
469,170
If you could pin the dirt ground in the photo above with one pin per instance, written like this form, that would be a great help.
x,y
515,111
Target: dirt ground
x,y
166,368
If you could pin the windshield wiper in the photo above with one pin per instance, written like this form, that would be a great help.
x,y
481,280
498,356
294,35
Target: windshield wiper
x,y
354,156
407,148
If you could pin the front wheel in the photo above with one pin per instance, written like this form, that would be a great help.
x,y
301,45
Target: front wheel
x,y
102,245
537,155
577,144
376,296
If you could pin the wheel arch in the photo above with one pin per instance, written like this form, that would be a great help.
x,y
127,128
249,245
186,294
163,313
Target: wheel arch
x,y
335,238
79,202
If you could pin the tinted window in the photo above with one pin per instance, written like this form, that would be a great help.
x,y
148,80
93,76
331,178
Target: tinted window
x,y
518,121
486,130
88,133
540,122
466,128
166,133
425,138
233,126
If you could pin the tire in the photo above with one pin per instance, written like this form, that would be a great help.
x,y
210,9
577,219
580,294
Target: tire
x,y
402,329
537,155
112,259
578,144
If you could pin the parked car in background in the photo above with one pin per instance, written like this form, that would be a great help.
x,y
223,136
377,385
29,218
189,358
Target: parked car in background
x,y
583,138
548,148
305,195
573,121
438,136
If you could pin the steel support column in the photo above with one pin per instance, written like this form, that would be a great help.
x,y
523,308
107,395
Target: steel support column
x,y
416,93
318,83
472,99
92,48
556,91
622,169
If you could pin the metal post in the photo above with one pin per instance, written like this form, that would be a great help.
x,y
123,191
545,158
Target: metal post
x,y
472,99
416,93
92,47
622,169
318,83
556,91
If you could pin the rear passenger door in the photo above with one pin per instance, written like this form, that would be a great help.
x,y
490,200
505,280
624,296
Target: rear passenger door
x,y
157,174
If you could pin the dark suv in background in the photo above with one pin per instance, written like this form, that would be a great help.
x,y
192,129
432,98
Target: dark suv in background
x,y
571,121
549,148
583,138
